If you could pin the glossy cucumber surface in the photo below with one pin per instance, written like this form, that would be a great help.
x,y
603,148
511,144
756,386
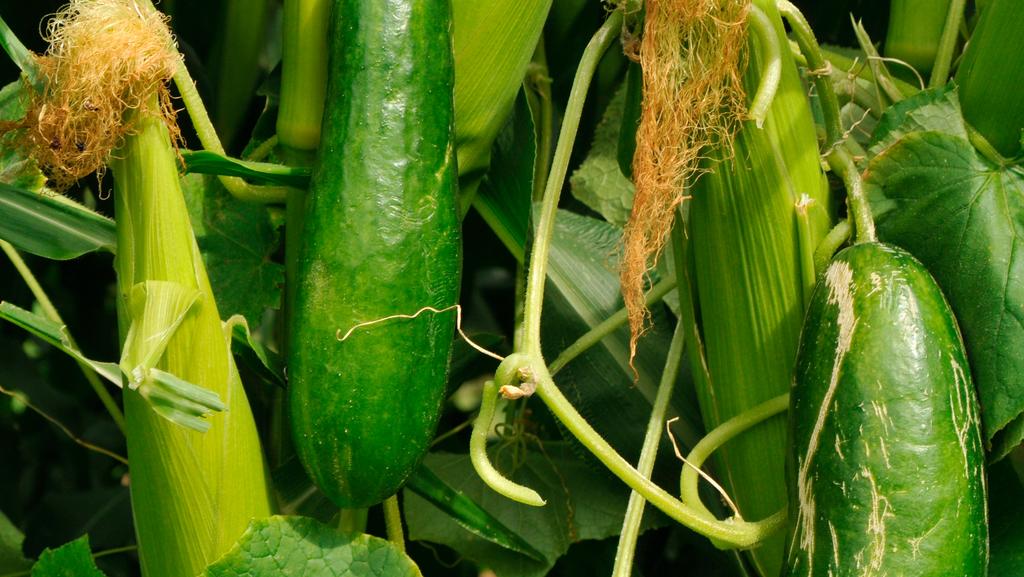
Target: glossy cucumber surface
x,y
381,238
888,473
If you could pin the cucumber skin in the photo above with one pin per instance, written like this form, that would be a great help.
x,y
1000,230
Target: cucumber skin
x,y
899,454
381,237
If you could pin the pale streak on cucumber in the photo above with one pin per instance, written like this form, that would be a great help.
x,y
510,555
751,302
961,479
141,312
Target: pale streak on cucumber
x,y
839,280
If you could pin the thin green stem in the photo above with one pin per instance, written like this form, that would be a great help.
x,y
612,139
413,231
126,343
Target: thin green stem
x,y
731,533
115,551
51,313
828,246
393,522
603,38
352,520
947,44
648,454
303,72
606,327
482,463
818,68
771,70
263,150
721,435
842,164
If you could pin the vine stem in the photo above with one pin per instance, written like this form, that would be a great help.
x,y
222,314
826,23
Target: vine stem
x,y
721,435
731,533
605,327
771,71
393,522
626,549
603,38
947,44
838,158
208,134
51,313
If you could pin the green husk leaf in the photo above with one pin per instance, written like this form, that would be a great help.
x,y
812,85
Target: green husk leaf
x,y
12,559
72,559
281,545
469,515
206,162
963,217
493,42
244,344
599,182
56,335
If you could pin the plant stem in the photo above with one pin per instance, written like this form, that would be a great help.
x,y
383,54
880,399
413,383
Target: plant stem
x,y
771,71
721,435
817,65
859,208
303,73
733,533
603,38
947,44
828,246
648,454
806,247
606,327
539,82
51,313
393,522
352,520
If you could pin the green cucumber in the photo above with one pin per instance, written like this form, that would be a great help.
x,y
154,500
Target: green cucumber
x,y
887,475
381,238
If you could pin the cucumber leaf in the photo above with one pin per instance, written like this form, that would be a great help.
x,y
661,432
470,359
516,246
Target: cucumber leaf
x,y
206,162
238,241
963,216
599,182
72,559
582,504
281,545
12,559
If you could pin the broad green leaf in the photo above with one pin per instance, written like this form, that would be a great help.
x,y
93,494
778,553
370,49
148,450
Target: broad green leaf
x,y
302,546
581,504
72,559
52,226
12,560
238,241
504,195
467,513
599,182
927,110
963,217
56,335
206,162
1005,530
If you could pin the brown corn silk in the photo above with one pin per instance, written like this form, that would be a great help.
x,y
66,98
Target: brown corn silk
x,y
691,54
106,57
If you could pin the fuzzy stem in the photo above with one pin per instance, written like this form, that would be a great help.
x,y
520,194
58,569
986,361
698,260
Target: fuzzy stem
x,y
352,520
771,72
303,73
841,162
828,246
51,313
393,522
648,454
602,39
732,533
482,463
721,435
947,44
606,327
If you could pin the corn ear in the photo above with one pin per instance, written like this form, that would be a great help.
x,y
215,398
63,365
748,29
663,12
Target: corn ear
x,y
193,493
750,282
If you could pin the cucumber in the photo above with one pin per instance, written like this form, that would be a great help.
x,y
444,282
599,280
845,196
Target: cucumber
x,y
887,475
381,238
